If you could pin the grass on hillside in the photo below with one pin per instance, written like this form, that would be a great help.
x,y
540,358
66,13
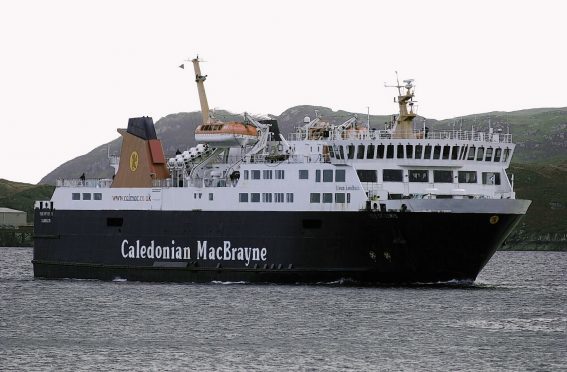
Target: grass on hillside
x,y
22,196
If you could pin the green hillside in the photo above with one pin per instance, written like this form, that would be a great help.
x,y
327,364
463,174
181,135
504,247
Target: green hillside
x,y
21,196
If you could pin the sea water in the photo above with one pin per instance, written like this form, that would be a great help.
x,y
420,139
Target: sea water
x,y
513,318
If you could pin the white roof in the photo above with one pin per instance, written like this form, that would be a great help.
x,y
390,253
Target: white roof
x,y
8,210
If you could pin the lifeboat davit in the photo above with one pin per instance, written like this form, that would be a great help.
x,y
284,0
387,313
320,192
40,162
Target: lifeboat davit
x,y
230,134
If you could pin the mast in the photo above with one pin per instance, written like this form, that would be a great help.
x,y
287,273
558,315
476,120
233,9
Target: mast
x,y
200,79
404,125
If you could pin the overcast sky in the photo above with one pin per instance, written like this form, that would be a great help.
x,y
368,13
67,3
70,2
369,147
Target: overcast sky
x,y
71,72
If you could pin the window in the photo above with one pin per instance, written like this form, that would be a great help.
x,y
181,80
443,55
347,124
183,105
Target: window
x,y
315,197
279,197
455,153
86,196
243,197
340,197
246,174
327,197
331,152
348,197
303,174
437,152
280,174
400,151
488,156
446,151
390,152
350,151
341,152
289,197
427,154
267,174
409,151
380,152
418,151
480,153
255,174
497,154
506,154
370,152
467,177
367,175
471,153
360,153
463,152
340,175
443,176
255,197
490,178
266,197
327,175
211,196
392,175
76,196
97,196
418,175
318,175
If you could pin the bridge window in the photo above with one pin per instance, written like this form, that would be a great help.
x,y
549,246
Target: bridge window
x,y
315,197
303,174
380,152
255,197
437,152
360,153
390,151
418,151
392,175
341,154
446,151
490,178
488,156
327,197
467,177
409,151
370,152
418,175
400,151
472,150
442,176
340,175
480,153
350,151
327,175
243,197
506,154
497,154
463,152
427,154
367,175
331,152
255,174
340,197
455,153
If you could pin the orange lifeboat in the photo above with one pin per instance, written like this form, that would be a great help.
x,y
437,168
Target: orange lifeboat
x,y
231,134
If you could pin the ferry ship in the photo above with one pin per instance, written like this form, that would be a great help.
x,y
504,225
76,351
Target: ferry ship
x,y
330,203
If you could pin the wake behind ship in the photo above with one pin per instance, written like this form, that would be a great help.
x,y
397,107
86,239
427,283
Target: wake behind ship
x,y
330,203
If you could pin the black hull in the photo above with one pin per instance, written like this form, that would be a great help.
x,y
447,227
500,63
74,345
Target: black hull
x,y
300,247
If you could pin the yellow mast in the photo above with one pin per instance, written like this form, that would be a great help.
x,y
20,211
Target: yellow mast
x,y
200,79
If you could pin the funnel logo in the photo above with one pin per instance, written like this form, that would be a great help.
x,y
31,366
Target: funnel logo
x,y
134,161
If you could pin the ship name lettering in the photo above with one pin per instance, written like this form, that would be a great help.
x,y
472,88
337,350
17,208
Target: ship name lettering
x,y
155,251
227,252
